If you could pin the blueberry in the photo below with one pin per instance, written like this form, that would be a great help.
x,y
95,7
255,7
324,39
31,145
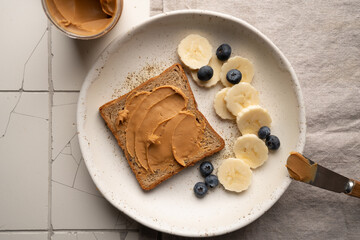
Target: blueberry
x,y
234,76
205,73
200,189
206,168
223,52
211,181
264,132
272,142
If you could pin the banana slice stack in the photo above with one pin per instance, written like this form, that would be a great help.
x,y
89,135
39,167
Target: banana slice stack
x,y
241,101
195,52
238,102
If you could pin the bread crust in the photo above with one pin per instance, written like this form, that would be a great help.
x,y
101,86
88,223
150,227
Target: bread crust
x,y
146,181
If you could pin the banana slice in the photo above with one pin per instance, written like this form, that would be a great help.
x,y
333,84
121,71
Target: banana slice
x,y
215,64
234,174
252,118
195,51
241,96
242,64
251,149
220,105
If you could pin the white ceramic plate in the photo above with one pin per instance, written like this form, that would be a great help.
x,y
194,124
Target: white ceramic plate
x,y
172,207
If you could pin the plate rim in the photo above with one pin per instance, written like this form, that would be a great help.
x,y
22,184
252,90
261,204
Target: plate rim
x,y
301,110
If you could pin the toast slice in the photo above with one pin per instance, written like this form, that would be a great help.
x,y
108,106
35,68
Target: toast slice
x,y
210,143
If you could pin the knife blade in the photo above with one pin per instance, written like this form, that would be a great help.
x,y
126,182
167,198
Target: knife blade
x,y
305,170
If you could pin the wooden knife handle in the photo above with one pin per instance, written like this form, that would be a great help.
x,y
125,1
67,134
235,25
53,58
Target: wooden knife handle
x,y
355,192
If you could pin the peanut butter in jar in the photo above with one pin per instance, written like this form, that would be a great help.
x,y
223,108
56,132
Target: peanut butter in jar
x,y
83,19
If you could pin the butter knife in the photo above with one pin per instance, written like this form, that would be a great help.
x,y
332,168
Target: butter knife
x,y
304,170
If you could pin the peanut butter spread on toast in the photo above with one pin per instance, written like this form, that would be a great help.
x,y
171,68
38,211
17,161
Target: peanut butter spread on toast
x,y
160,132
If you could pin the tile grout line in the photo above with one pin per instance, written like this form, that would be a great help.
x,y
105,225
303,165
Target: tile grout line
x,y
51,93
67,230
24,231
95,230
40,91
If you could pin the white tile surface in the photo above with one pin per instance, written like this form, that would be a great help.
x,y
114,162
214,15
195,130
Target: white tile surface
x,y
67,149
23,45
75,209
64,236
24,162
75,149
64,121
76,202
67,166
125,222
33,104
8,102
132,236
110,235
24,236
89,235
73,58
64,169
84,182
36,71
25,135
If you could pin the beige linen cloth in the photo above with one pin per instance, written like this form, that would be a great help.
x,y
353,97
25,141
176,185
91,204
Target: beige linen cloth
x,y
321,39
